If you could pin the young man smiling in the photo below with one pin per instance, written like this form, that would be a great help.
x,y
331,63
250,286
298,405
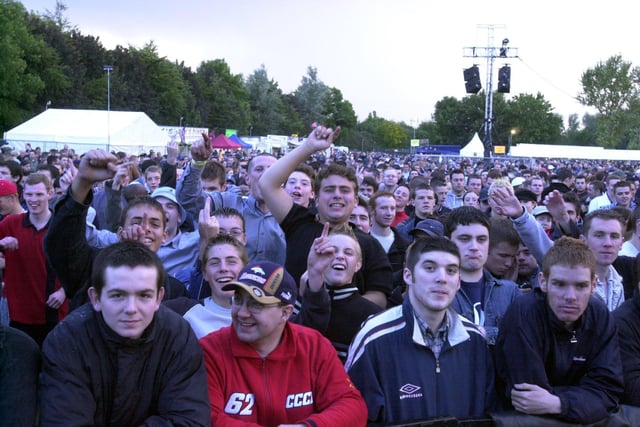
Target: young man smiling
x,y
34,294
123,359
65,244
263,370
335,196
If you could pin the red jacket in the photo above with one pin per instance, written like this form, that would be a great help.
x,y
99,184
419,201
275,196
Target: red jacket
x,y
301,381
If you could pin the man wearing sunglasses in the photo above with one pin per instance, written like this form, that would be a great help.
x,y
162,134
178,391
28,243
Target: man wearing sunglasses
x,y
265,370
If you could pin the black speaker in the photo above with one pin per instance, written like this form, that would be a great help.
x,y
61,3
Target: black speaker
x,y
504,79
472,79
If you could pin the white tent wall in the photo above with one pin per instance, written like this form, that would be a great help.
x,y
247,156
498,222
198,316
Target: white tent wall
x,y
475,148
83,130
572,152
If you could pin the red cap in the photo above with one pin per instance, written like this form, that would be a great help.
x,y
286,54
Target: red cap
x,y
7,187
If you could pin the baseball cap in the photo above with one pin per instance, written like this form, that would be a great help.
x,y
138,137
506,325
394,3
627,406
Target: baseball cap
x,y
7,187
518,180
539,210
170,194
432,227
266,282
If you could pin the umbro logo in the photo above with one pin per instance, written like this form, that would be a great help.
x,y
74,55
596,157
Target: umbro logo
x,y
410,391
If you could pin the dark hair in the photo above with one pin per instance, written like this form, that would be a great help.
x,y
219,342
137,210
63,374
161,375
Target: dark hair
x,y
502,230
336,170
126,253
564,173
456,171
213,170
307,170
227,212
54,171
429,244
465,215
421,186
598,186
15,169
144,201
370,182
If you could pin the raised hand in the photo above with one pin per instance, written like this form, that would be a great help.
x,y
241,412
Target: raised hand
x,y
208,226
201,150
322,137
172,152
320,257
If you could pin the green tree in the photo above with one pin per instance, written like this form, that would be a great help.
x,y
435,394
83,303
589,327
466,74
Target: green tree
x,y
611,87
266,103
310,96
26,66
456,121
532,118
224,101
339,112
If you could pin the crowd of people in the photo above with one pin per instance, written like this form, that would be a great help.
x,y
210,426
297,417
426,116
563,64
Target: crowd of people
x,y
317,288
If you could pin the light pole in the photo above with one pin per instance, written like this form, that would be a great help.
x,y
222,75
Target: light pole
x,y
490,52
108,69
511,133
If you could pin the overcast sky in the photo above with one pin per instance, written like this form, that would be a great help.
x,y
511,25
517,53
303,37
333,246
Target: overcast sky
x,y
397,58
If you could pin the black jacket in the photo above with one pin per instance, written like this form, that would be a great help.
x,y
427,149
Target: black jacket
x,y
628,321
582,367
92,376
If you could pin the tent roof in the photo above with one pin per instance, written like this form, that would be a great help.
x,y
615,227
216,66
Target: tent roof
x,y
475,147
128,131
223,142
236,138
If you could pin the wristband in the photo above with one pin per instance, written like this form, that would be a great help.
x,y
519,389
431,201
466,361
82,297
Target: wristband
x,y
199,163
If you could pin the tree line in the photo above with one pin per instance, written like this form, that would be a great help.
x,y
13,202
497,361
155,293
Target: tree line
x,y
46,59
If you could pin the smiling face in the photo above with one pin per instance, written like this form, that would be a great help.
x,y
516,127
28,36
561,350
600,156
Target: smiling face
x,y
261,329
335,200
385,211
222,265
299,188
152,223
129,299
568,290
37,198
346,260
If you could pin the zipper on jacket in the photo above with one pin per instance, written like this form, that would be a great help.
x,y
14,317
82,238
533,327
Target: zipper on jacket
x,y
573,339
437,365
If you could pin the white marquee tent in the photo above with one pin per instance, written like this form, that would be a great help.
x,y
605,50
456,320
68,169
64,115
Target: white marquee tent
x,y
475,148
83,130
